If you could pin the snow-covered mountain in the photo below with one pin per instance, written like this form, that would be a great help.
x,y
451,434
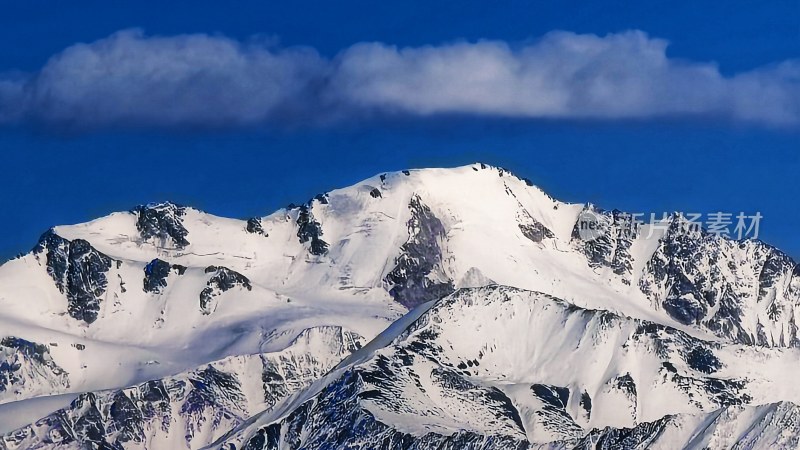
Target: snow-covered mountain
x,y
500,367
166,327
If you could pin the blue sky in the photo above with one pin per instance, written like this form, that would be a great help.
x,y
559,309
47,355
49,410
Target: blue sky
x,y
641,106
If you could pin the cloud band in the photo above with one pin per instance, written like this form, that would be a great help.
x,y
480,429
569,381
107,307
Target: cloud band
x,y
130,79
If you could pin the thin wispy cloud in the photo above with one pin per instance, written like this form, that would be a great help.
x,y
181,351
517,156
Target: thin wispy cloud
x,y
130,79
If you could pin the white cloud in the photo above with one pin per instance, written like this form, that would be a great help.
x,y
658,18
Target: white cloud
x,y
131,79
128,78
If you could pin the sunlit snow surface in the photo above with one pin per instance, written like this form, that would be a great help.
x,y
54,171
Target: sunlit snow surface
x,y
191,329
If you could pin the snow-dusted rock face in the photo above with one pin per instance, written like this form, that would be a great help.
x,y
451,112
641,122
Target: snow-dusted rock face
x,y
746,292
156,273
612,247
254,226
163,222
417,278
221,280
27,368
620,321
309,231
78,270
